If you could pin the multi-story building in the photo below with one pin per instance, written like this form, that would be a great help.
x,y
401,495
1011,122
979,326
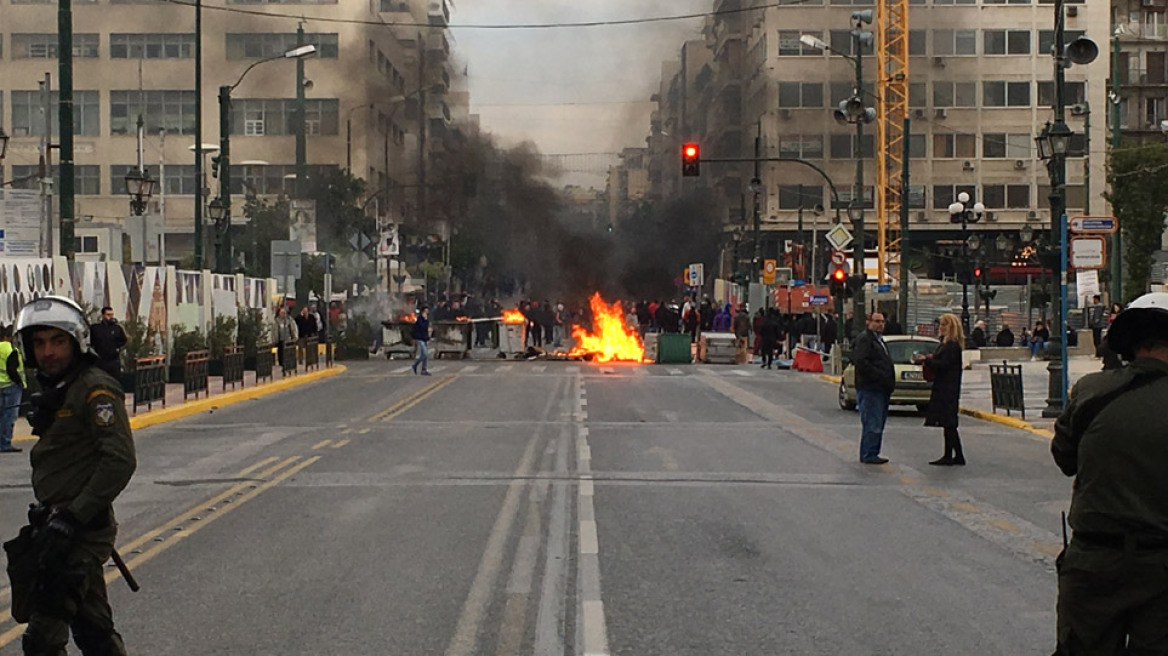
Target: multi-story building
x,y
136,58
1140,47
628,184
980,87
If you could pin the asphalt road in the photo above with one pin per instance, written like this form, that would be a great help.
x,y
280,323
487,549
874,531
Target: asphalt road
x,y
556,508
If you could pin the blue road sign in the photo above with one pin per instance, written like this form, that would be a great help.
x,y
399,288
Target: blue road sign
x,y
1093,225
798,282
883,288
817,300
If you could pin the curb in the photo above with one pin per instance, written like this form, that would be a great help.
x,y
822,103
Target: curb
x,y
1012,422
183,410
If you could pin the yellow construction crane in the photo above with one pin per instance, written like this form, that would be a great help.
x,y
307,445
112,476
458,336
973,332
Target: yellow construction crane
x,y
892,110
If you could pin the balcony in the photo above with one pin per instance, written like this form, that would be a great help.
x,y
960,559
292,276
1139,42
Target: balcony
x,y
438,45
1137,30
439,13
1143,77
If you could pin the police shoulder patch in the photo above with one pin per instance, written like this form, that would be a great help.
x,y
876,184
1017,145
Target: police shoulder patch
x,y
101,405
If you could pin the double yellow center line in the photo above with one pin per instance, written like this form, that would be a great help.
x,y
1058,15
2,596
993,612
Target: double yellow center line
x,y
413,399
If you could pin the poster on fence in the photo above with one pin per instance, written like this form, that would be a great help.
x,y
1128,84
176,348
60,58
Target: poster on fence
x,y
20,222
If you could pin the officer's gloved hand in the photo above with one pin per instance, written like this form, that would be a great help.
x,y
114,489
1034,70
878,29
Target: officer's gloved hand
x,y
41,414
62,525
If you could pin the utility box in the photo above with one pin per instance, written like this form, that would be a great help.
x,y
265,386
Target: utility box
x,y
674,348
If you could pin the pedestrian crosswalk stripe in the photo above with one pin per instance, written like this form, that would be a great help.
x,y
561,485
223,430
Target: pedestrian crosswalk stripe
x,y
435,370
538,368
675,372
506,367
739,372
401,370
469,368
573,369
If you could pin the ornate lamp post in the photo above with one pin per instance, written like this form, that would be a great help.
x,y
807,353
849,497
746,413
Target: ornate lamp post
x,y
3,143
960,212
139,187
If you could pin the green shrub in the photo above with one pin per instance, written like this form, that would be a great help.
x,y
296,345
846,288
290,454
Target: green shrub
x,y
222,335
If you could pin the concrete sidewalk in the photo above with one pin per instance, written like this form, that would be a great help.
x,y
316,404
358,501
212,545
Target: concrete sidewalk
x,y
975,388
216,396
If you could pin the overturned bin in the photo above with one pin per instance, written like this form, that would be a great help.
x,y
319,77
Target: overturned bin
x,y
450,339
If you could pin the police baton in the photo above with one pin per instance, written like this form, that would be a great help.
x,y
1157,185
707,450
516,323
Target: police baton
x,y
121,564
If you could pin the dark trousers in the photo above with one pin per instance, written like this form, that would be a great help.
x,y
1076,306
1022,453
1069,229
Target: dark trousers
x,y
91,620
953,443
1112,602
768,354
1096,337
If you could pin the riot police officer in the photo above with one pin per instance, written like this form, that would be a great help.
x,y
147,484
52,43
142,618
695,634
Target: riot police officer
x,y
1113,438
82,461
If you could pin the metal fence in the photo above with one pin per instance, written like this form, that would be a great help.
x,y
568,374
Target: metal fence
x,y
288,359
195,373
149,382
265,362
1006,388
232,367
311,353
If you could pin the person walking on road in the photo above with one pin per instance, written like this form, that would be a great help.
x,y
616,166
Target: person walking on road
x,y
875,380
11,388
741,327
81,463
422,339
945,397
1112,437
1096,321
771,333
108,338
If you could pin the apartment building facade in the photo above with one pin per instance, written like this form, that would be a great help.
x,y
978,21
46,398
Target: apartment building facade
x,y
980,87
136,58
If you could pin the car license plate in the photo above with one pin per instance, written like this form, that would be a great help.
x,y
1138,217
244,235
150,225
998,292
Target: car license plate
x,y
911,375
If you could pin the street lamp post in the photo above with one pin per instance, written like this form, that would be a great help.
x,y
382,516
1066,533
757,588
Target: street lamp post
x,y
960,211
853,110
1053,143
221,212
3,144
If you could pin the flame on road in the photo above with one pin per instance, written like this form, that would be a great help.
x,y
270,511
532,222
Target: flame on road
x,y
513,316
407,318
613,340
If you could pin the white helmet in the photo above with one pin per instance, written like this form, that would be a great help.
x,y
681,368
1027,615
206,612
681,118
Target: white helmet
x,y
1147,316
51,312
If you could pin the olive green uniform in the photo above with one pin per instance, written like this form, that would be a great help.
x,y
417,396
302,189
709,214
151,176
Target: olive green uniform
x,y
81,464
1113,577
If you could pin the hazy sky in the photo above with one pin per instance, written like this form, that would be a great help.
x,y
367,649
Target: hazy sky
x,y
569,90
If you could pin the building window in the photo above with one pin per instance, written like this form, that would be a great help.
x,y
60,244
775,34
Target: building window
x,y
1006,42
1005,94
86,178
1046,39
916,197
840,91
841,146
801,146
954,2
793,197
954,94
260,117
1008,146
1074,92
955,42
1005,2
85,244
1018,197
918,94
173,111
29,121
944,194
845,197
918,42
950,145
800,94
395,5
261,46
281,2
44,46
152,46
180,179
841,42
272,179
917,146
789,44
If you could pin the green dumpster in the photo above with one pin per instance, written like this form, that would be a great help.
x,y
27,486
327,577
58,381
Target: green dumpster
x,y
673,349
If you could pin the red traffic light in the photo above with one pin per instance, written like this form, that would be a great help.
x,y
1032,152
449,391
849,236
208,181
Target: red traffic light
x,y
690,160
839,275
977,273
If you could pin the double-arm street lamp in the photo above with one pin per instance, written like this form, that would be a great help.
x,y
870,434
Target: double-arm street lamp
x,y
964,213
854,111
219,208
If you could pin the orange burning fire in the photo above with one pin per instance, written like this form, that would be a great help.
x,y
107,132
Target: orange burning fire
x,y
513,316
407,318
613,341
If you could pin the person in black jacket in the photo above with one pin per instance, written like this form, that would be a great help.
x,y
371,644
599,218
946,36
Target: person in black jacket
x,y
422,339
107,339
771,333
875,380
944,401
1005,337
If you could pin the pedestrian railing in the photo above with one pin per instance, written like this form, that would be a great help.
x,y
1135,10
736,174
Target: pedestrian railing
x,y
149,382
265,362
195,373
288,359
232,367
311,353
1006,388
